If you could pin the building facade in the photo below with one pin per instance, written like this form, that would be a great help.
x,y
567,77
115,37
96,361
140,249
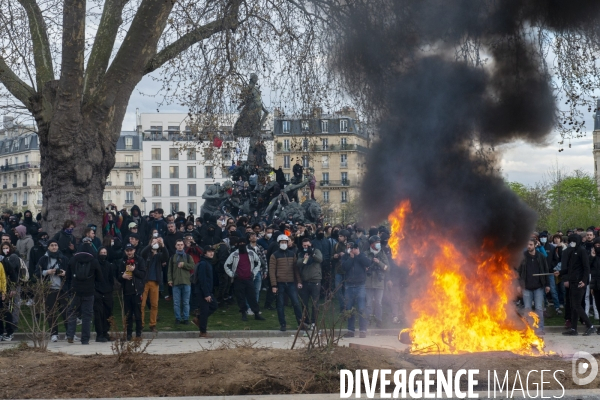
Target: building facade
x,y
596,140
124,183
180,160
334,145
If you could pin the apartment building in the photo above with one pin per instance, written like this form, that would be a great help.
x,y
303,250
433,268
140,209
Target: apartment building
x,y
334,145
124,183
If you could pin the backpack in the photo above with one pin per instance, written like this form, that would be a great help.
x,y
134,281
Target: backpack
x,y
23,271
81,272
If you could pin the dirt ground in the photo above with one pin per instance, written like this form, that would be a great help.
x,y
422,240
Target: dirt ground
x,y
25,373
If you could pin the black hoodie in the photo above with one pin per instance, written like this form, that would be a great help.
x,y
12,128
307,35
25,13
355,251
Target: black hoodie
x,y
109,273
575,262
87,286
32,226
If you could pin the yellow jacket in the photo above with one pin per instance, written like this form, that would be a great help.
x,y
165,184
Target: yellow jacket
x,y
2,279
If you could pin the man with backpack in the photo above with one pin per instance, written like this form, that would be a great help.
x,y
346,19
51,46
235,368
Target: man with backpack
x,y
82,274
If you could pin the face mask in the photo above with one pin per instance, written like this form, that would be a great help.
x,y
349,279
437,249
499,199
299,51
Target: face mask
x,y
69,231
155,246
543,240
268,235
283,246
112,242
572,244
242,248
102,257
155,234
377,246
5,251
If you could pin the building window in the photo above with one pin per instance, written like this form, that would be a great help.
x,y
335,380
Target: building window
x,y
156,154
173,172
305,161
304,144
325,178
16,146
325,196
192,189
129,179
156,190
344,196
173,128
174,189
106,195
287,177
156,171
191,173
191,154
129,197
324,126
325,143
343,142
128,143
156,129
156,205
286,126
192,208
128,159
16,160
343,160
40,198
325,161
286,161
173,154
208,172
174,208
25,199
304,125
26,159
226,154
27,141
286,145
344,178
343,125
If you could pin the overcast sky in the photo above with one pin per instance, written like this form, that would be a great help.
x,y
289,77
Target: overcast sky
x,y
520,162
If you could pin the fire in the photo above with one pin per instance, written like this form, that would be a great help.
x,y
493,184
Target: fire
x,y
463,303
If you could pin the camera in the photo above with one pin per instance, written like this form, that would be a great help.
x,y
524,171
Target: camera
x,y
58,271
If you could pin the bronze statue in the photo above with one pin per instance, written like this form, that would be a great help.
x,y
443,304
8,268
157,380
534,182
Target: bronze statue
x,y
252,117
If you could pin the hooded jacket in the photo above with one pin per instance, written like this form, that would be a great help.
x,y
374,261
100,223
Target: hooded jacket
x,y
46,262
542,263
355,269
575,262
24,244
595,269
86,287
204,277
311,270
109,274
155,261
64,240
32,227
139,276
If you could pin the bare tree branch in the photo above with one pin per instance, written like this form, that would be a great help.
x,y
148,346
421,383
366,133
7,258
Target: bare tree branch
x,y
22,91
41,45
73,47
103,44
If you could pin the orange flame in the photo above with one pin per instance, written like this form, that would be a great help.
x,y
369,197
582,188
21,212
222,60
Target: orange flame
x,y
460,307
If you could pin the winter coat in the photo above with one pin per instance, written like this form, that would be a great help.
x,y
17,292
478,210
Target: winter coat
x,y
575,265
232,263
139,275
46,263
109,274
543,264
64,241
311,271
170,239
595,273
86,287
260,252
355,269
24,246
325,246
155,261
140,221
3,282
376,273
204,277
282,267
180,276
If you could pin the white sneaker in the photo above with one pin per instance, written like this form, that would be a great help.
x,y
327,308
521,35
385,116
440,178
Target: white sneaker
x,y
54,338
76,338
249,312
79,321
7,338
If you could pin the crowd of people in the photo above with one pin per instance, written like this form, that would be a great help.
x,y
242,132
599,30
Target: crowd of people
x,y
198,264
563,271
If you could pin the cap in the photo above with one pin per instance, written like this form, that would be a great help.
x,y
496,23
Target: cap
x,y
208,248
344,233
92,226
283,237
86,240
131,225
374,239
129,246
135,236
353,245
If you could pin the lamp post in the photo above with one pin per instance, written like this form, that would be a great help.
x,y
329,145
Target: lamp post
x,y
144,201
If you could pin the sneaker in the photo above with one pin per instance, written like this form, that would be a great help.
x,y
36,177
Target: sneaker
x,y
185,322
363,335
570,332
54,338
196,322
76,338
168,298
396,320
558,311
249,312
259,317
244,317
7,338
70,340
85,342
153,329
349,334
101,339
205,335
568,323
282,328
312,327
589,331
79,321
562,306
177,322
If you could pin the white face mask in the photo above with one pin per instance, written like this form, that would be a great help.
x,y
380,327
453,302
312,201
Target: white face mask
x,y
572,244
348,251
283,246
268,235
155,234
543,240
112,242
5,251
155,246
377,246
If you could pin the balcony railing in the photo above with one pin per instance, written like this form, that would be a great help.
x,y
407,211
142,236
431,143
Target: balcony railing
x,y
108,183
40,202
129,184
129,201
24,184
339,147
14,185
127,165
4,186
343,163
335,183
14,167
24,202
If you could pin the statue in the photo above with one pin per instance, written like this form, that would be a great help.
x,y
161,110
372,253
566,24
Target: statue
x,y
213,197
252,117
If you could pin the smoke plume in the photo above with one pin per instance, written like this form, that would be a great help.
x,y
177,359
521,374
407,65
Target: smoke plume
x,y
448,80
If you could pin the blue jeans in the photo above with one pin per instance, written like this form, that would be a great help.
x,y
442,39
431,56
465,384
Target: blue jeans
x,y
181,294
537,296
291,290
356,296
553,291
374,297
339,287
257,286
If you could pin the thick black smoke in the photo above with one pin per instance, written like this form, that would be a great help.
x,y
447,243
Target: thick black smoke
x,y
437,103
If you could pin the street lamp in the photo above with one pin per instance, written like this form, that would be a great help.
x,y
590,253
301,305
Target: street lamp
x,y
144,201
